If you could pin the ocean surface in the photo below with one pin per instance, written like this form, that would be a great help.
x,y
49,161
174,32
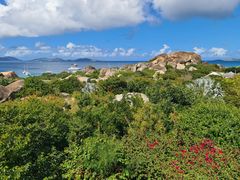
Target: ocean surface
x,y
39,67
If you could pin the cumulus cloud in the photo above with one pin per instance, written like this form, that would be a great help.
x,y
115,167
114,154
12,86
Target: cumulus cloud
x,y
178,9
34,18
20,51
41,46
122,52
212,52
219,52
199,50
89,51
164,49
47,17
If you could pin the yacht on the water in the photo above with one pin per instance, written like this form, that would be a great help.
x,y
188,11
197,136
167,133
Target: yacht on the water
x,y
74,68
26,72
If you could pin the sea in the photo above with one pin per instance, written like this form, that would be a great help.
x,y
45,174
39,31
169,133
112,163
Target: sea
x,y
38,67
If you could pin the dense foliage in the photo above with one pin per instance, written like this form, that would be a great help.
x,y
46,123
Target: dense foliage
x,y
180,133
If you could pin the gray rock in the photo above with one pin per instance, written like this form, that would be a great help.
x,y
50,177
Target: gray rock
x,y
108,72
128,96
89,88
5,92
180,66
192,69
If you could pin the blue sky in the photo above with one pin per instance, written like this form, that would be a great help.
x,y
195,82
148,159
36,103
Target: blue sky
x,y
115,30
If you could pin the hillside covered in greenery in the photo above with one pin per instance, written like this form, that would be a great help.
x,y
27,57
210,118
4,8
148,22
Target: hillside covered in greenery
x,y
179,124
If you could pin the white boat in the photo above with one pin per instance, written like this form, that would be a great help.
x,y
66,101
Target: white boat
x,y
74,68
26,72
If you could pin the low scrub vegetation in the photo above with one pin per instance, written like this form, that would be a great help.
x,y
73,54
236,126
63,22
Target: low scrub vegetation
x,y
181,133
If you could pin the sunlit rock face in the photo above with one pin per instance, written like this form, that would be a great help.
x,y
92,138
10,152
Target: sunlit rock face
x,y
177,58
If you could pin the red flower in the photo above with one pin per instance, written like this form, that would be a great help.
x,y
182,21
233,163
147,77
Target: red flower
x,y
152,145
213,151
220,152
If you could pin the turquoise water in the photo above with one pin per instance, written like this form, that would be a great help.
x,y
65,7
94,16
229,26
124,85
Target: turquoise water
x,y
225,63
39,67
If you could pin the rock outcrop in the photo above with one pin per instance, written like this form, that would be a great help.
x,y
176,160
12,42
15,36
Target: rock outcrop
x,y
9,74
177,60
89,70
107,72
83,79
128,96
186,58
6,91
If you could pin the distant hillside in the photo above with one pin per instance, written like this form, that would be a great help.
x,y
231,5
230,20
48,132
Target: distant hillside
x,y
47,59
8,58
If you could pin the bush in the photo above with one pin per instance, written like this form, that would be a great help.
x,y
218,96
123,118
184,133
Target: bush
x,y
213,120
33,134
204,69
138,85
113,85
68,85
35,86
97,158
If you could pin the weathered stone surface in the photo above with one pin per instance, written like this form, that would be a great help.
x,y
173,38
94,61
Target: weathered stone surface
x,y
158,73
89,69
136,67
158,67
5,92
178,57
83,79
180,66
120,97
108,72
9,74
89,88
192,68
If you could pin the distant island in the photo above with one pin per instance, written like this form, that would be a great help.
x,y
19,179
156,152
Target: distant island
x,y
9,58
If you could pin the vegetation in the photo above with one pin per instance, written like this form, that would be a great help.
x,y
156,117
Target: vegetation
x,y
183,132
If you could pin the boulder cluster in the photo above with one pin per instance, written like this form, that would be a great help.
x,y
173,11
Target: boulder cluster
x,y
177,60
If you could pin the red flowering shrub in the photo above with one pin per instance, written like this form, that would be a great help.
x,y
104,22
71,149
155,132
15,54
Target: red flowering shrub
x,y
204,155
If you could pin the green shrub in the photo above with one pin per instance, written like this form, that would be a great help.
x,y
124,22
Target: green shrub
x,y
33,134
97,158
68,85
113,85
213,120
35,86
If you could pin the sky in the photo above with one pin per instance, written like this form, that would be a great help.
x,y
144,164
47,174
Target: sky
x,y
119,29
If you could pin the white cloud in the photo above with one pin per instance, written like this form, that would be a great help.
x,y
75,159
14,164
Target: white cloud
x,y
219,52
70,45
164,49
73,50
41,46
199,50
35,18
178,9
47,17
122,52
2,47
18,52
